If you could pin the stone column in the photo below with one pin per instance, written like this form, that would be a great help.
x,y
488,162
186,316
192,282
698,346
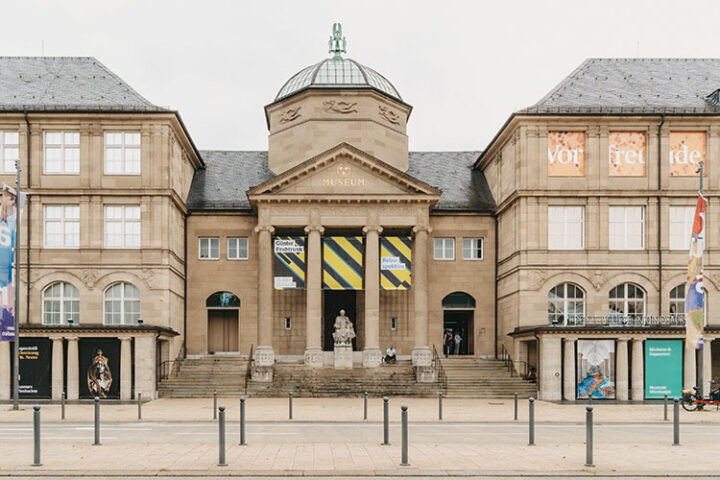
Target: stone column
x,y
57,367
144,366
73,369
371,354
550,360
125,368
421,355
569,369
707,364
313,292
689,368
5,370
264,355
621,373
638,369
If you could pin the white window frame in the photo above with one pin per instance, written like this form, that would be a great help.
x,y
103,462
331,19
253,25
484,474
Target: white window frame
x,y
64,149
624,223
626,301
563,224
64,222
62,299
443,241
565,301
208,241
124,222
123,148
123,299
238,241
393,323
7,144
470,248
680,226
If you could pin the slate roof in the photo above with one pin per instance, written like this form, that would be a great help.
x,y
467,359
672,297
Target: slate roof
x,y
65,84
635,86
227,175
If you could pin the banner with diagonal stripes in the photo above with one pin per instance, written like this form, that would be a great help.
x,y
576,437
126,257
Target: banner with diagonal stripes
x,y
342,263
395,263
289,263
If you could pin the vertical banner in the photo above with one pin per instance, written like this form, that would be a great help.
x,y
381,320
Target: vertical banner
x,y
395,263
687,149
35,367
10,211
663,368
566,154
626,154
99,367
342,263
595,369
289,263
694,308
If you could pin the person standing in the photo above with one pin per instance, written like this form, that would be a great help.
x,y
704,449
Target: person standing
x,y
447,343
458,341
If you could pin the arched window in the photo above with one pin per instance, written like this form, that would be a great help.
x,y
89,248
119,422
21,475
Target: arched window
x,y
677,303
122,304
458,300
566,304
61,304
627,302
222,300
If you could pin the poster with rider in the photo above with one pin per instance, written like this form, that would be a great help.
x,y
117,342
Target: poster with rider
x,y
595,369
99,367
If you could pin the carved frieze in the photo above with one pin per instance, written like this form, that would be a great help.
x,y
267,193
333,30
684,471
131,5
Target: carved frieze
x,y
389,115
339,106
290,114
535,279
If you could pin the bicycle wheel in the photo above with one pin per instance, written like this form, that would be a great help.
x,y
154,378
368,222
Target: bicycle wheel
x,y
688,402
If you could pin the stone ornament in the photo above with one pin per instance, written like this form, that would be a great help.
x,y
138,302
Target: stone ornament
x,y
344,331
289,115
339,106
389,115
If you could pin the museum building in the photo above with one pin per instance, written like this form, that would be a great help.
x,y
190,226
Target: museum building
x,y
561,247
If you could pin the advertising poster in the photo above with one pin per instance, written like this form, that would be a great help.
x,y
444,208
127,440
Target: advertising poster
x,y
289,263
566,154
342,263
395,263
687,149
595,369
663,368
626,154
35,367
99,367
10,209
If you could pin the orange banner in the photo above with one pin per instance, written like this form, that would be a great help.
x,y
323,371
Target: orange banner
x,y
687,149
626,154
566,154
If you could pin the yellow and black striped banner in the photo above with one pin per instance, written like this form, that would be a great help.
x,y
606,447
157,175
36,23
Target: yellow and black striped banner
x,y
342,263
289,263
395,263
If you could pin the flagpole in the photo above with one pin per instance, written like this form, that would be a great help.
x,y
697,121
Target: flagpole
x,y
699,352
16,308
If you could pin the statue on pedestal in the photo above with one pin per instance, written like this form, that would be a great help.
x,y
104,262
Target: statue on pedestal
x,y
344,331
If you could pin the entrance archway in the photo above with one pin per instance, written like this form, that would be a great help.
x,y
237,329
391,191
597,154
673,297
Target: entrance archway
x,y
459,318
223,309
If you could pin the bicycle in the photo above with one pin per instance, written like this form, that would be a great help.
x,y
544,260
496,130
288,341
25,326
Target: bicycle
x,y
691,399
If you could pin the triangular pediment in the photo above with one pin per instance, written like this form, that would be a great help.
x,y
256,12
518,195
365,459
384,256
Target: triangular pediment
x,y
344,171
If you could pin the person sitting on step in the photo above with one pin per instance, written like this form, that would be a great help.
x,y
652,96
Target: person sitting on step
x,y
390,356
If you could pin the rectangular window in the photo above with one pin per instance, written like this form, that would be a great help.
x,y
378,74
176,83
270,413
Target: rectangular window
x,y
122,153
122,226
209,248
62,152
444,249
288,323
9,151
627,228
566,228
681,220
472,248
62,226
393,323
237,248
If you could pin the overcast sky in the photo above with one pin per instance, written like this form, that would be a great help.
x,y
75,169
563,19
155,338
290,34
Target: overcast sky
x,y
464,66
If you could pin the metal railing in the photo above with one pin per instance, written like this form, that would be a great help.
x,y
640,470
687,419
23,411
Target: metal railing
x,y
165,369
437,365
251,363
513,366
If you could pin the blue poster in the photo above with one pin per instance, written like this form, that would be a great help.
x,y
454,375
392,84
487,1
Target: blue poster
x,y
8,225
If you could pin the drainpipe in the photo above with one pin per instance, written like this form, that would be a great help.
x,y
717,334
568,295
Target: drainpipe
x,y
496,286
28,214
185,272
659,216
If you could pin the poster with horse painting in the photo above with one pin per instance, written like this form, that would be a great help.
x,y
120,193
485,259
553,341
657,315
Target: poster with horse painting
x,y
99,367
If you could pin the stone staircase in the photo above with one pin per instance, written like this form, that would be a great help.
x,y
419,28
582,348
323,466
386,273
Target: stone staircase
x,y
468,377
199,377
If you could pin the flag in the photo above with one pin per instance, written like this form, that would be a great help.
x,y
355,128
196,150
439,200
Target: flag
x,y
694,284
10,210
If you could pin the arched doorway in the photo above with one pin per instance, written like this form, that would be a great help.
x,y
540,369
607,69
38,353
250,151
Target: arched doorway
x,y
222,308
458,318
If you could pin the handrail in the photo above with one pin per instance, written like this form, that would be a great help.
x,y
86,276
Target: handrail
x,y
165,369
250,365
512,365
437,365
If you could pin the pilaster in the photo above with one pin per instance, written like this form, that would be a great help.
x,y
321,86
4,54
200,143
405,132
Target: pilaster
x,y
371,355
313,348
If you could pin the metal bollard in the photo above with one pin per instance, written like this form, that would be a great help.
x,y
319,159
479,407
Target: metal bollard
x,y
139,400
62,406
242,421
221,430
516,407
589,436
531,422
404,421
36,436
214,404
676,422
365,406
386,421
290,405
97,421
665,407
439,405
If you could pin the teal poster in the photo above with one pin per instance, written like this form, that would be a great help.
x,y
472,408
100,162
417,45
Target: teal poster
x,y
663,368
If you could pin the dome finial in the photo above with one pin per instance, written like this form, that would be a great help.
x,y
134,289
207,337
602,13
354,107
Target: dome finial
x,y
337,41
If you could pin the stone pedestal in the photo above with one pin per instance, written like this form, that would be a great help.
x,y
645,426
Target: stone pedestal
x,y
425,374
343,356
314,357
262,370
372,357
421,356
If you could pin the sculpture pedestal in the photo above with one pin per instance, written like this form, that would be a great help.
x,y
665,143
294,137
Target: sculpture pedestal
x,y
343,356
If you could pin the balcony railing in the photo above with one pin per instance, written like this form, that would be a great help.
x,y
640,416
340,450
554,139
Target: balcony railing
x,y
621,321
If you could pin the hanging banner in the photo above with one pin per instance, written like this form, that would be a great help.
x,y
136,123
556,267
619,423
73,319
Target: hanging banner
x,y
694,308
10,210
35,367
595,369
626,154
395,263
663,368
687,149
342,263
289,263
99,367
566,154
